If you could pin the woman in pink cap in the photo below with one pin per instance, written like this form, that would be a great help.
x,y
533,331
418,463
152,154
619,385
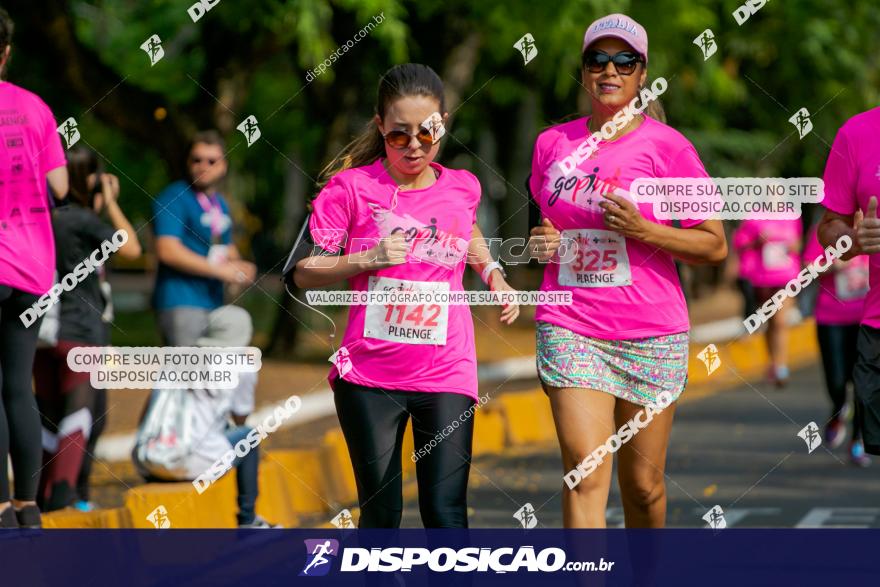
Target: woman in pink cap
x,y
615,360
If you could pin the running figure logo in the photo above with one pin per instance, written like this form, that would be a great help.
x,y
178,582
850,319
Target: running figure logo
x,y
715,518
526,516
159,517
343,520
249,129
319,554
710,358
801,121
342,360
69,131
525,46
706,42
810,434
153,48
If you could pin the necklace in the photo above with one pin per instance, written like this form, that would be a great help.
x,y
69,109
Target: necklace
x,y
618,134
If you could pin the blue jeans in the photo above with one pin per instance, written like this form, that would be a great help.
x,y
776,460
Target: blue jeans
x,y
247,468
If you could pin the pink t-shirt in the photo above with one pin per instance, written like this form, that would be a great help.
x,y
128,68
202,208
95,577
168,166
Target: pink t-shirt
x,y
417,347
852,176
32,148
842,289
621,288
767,251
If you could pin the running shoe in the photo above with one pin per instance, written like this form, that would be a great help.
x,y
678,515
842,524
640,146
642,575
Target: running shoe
x,y
85,506
835,432
778,376
260,523
857,454
8,519
29,517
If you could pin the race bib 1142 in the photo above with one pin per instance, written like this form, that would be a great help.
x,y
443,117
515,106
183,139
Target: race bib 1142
x,y
407,323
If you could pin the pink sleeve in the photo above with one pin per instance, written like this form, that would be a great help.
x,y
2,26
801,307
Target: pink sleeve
x,y
840,175
813,248
331,217
744,235
478,194
686,163
537,168
52,153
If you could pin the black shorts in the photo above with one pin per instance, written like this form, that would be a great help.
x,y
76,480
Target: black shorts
x,y
866,377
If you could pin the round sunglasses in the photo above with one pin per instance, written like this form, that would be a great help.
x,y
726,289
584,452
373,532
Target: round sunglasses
x,y
400,139
624,62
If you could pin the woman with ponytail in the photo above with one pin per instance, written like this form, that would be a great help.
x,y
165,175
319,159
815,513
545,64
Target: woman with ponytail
x,y
615,360
390,219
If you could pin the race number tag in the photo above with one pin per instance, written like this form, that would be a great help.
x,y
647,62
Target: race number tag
x,y
851,282
601,259
775,255
407,323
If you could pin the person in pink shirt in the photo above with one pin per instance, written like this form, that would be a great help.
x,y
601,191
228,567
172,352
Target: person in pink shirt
x,y
621,347
769,257
839,306
31,159
403,223
852,184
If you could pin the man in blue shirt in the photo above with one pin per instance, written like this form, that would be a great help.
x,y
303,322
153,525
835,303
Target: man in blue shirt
x,y
194,245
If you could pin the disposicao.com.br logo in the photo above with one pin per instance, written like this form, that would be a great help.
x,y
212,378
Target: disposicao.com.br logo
x,y
441,560
320,553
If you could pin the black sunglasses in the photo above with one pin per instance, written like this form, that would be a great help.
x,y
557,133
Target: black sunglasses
x,y
400,139
624,62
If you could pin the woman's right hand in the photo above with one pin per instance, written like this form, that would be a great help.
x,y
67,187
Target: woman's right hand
x,y
390,251
544,241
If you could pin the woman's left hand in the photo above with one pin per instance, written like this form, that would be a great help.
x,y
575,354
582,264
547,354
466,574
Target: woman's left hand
x,y
498,283
623,216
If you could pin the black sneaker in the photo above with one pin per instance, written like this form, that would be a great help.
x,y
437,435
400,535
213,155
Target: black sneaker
x,y
29,517
8,519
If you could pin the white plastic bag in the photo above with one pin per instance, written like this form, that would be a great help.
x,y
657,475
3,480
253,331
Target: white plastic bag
x,y
47,336
164,438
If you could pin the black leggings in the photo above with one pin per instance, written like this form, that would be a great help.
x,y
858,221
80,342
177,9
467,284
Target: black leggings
x,y
374,421
838,345
19,419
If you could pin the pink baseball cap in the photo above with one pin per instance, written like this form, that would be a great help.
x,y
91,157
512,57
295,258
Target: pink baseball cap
x,y
620,27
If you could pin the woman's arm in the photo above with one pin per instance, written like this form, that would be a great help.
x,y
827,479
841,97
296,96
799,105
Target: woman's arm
x,y
110,190
702,244
478,257
318,271
864,230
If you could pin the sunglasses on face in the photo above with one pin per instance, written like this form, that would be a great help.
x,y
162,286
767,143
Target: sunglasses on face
x,y
400,139
197,160
624,62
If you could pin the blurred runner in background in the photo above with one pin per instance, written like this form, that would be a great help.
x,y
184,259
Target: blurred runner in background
x,y
769,257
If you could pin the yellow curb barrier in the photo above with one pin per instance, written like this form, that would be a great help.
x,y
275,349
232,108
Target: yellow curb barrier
x,y
527,418
303,479
214,508
341,485
274,502
488,431
111,518
747,358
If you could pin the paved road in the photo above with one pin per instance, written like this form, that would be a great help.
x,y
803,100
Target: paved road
x,y
738,449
